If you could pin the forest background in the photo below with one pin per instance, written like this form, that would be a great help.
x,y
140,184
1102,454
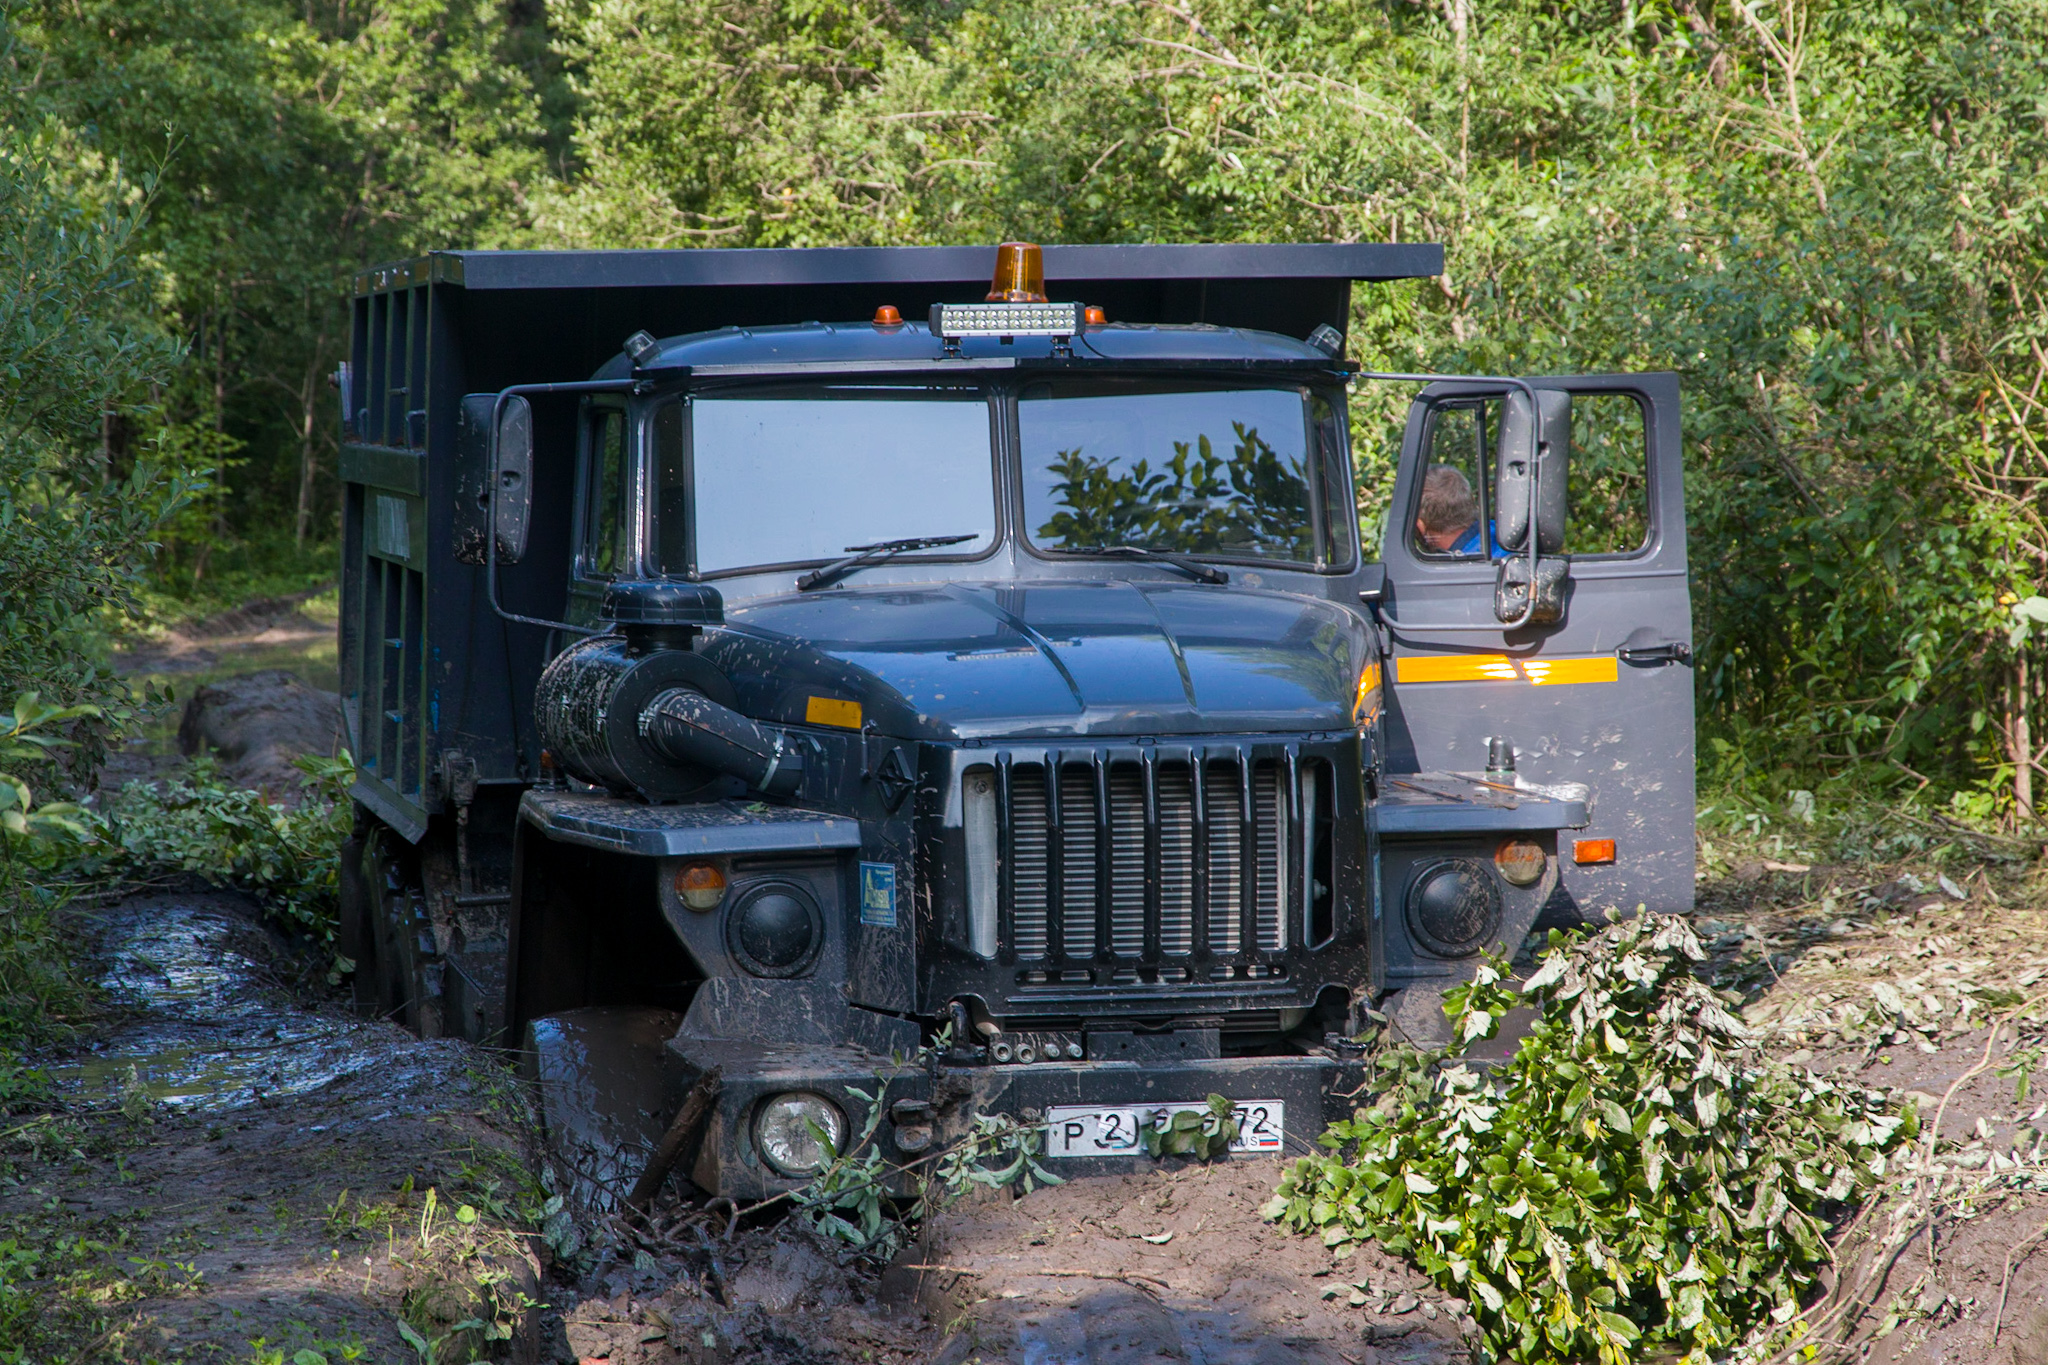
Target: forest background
x,y
1828,217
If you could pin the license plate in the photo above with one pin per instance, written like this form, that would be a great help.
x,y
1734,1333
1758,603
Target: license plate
x,y
1116,1130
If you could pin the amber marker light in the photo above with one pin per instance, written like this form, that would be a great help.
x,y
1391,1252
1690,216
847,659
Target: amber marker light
x,y
1519,861
1589,852
1020,274
887,316
1094,316
701,886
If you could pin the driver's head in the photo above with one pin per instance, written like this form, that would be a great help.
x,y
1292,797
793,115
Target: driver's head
x,y
1448,512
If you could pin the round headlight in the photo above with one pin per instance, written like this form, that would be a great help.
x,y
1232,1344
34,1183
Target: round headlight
x,y
799,1132
1454,907
775,930
1519,861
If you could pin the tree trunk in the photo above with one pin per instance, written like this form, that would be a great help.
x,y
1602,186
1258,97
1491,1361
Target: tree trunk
x,y
306,471
2019,740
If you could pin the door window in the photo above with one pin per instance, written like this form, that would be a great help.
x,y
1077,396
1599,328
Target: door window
x,y
1608,484
1456,503
1609,499
606,536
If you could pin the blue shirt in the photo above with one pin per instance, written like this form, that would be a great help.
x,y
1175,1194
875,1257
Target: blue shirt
x,y
1473,543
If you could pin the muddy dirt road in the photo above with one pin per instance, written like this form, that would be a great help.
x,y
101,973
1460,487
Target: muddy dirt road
x,y
244,1167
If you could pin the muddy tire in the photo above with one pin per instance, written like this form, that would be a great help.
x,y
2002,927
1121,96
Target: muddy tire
x,y
355,931
400,980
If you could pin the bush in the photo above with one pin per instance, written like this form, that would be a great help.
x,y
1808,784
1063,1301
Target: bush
x,y
1640,1178
287,857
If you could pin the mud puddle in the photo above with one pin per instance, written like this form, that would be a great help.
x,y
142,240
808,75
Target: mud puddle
x,y
207,1026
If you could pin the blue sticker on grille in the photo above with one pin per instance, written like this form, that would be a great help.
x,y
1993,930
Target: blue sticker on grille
x,y
878,894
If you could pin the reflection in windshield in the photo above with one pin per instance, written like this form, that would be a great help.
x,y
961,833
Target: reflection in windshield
x,y
788,477
1220,472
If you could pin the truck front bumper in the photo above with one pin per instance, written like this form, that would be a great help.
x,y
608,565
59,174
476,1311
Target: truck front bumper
x,y
927,1109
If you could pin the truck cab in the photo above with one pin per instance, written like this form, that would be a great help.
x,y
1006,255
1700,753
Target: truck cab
x,y
998,690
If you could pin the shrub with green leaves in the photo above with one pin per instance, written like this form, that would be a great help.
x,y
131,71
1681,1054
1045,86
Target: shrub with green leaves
x,y
1639,1179
287,856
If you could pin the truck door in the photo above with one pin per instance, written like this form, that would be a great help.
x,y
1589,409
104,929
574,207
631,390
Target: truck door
x,y
1600,696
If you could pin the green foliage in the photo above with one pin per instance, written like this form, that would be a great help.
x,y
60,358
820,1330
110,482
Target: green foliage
x,y
1204,1133
999,1152
1250,501
873,1206
289,857
80,348
21,817
39,983
1639,1179
288,144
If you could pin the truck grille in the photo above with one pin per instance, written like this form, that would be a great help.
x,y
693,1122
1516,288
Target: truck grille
x,y
1142,857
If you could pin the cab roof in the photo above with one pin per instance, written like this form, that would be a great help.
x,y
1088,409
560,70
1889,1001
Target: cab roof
x,y
526,316
824,347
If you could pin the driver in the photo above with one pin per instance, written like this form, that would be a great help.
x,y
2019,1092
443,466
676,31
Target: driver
x,y
1448,521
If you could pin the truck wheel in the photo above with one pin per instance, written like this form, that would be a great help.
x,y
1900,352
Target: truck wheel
x,y
404,981
355,934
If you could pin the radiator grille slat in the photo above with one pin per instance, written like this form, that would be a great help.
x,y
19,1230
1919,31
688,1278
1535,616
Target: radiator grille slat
x,y
1084,863
1269,817
1176,861
1127,860
1077,873
1027,870
1224,809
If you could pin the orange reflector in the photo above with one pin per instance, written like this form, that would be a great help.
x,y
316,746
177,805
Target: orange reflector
x,y
1093,316
887,316
1586,851
701,886
1020,274
833,711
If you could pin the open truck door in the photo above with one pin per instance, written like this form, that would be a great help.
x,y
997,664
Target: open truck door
x,y
1594,685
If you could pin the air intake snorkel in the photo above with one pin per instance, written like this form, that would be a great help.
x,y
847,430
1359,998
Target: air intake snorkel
x,y
639,709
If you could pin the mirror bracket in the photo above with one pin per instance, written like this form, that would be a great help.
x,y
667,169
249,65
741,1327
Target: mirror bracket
x,y
1511,595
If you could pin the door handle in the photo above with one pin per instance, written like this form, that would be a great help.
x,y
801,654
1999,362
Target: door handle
x,y
1661,652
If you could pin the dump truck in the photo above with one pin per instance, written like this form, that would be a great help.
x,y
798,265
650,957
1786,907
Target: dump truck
x,y
991,670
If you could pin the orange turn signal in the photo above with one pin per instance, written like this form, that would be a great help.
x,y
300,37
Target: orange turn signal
x,y
701,886
887,316
1587,851
1520,861
1020,274
1093,316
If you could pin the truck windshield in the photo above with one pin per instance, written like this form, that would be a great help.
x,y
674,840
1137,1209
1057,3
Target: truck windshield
x,y
1208,471
796,476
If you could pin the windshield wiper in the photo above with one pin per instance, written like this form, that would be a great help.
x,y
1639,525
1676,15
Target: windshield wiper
x,y
1201,573
864,555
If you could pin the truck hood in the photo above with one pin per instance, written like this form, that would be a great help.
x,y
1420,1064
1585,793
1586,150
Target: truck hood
x,y
965,661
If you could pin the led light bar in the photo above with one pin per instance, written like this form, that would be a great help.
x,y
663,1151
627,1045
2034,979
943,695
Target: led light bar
x,y
952,321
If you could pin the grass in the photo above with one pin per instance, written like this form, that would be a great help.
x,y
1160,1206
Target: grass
x,y
44,995
243,572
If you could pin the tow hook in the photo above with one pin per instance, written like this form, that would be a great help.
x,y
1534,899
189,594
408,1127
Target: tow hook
x,y
913,1120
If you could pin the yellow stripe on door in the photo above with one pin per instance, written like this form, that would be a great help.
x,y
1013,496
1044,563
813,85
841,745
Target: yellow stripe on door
x,y
1432,668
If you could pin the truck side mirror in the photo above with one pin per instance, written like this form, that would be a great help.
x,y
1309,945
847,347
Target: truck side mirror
x,y
1534,450
479,450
